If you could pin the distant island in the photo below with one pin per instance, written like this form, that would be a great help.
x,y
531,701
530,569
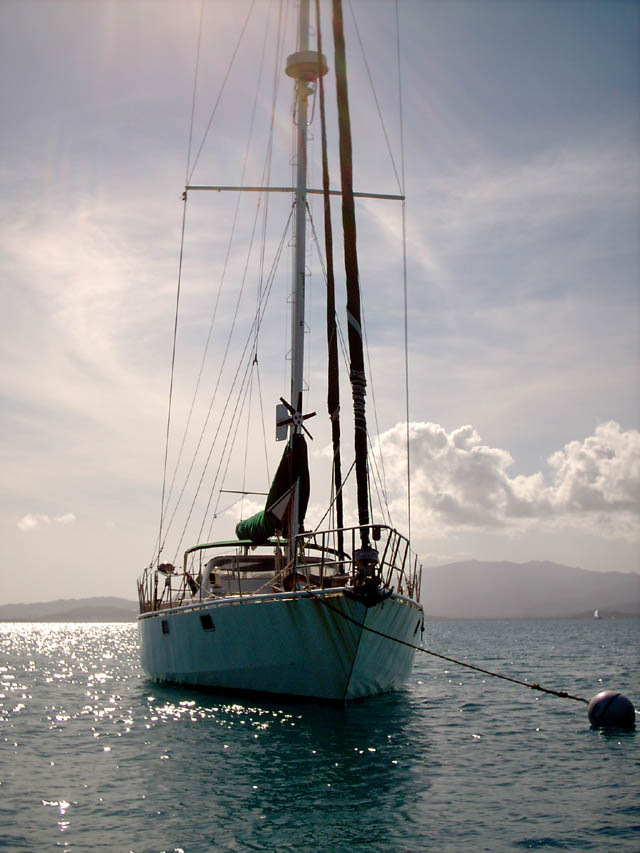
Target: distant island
x,y
98,609
533,590
463,590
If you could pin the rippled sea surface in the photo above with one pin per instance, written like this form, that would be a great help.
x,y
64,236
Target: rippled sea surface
x,y
95,757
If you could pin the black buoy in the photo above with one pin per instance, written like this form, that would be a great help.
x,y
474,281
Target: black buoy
x,y
611,710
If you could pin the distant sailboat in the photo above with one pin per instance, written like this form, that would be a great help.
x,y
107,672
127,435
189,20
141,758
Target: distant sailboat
x,y
596,614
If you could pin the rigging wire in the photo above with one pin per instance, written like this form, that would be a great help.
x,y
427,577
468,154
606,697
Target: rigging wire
x,y
400,99
215,393
231,435
246,438
330,507
257,320
266,181
191,124
204,354
195,89
239,298
173,364
222,88
261,278
166,500
216,511
377,478
404,274
225,509
175,323
229,442
383,481
381,492
375,97
264,430
341,340
213,443
248,341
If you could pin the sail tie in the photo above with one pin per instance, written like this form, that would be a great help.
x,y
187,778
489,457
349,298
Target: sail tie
x,y
354,323
358,393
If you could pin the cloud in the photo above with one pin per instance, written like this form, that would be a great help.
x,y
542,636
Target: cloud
x,y
460,483
67,518
32,521
600,474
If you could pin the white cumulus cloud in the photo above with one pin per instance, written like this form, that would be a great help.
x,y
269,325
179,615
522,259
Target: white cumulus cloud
x,y
458,481
31,521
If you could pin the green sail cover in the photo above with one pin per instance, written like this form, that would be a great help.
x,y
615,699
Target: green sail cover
x,y
293,467
258,528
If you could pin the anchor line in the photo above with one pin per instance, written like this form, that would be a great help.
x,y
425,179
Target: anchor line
x,y
535,686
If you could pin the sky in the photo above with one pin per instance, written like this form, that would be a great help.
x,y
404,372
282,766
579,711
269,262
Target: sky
x,y
521,173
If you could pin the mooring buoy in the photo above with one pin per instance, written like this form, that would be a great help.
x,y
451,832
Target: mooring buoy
x,y
610,709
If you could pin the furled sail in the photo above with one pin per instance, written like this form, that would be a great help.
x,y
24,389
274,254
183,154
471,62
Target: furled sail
x,y
333,375
356,349
292,473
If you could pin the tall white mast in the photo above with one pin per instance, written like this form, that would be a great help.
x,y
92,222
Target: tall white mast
x,y
304,66
303,90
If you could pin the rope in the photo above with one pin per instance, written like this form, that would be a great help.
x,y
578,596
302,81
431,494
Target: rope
x,y
560,693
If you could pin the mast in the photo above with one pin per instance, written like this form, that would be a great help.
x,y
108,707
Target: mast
x,y
303,90
304,66
289,493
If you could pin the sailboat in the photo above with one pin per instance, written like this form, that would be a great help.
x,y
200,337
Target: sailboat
x,y
331,613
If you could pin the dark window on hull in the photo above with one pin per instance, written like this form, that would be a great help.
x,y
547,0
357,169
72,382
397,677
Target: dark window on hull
x,y
207,622
165,626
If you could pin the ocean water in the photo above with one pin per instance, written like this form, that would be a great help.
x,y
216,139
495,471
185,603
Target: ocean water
x,y
95,757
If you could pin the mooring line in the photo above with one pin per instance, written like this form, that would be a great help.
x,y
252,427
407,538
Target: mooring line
x,y
560,693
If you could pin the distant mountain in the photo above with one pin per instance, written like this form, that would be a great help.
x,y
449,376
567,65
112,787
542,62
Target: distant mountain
x,y
105,609
467,590
540,590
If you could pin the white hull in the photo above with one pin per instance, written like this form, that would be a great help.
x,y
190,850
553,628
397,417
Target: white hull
x,y
286,643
